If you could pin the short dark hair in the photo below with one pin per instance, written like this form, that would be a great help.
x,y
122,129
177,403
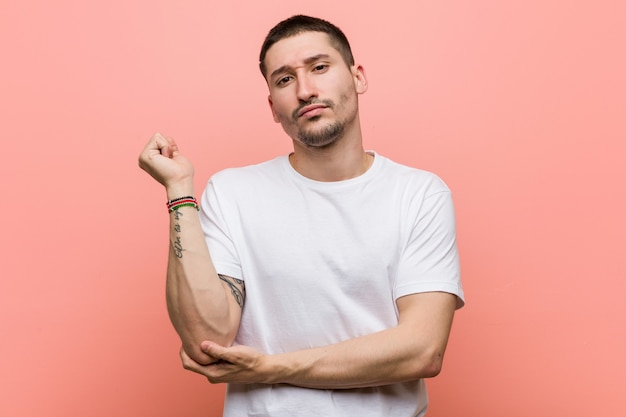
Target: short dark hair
x,y
298,24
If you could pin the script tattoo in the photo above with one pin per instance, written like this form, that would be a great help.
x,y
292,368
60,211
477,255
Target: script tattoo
x,y
177,244
237,288
178,247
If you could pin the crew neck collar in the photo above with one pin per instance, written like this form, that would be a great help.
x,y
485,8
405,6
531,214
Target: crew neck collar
x,y
375,166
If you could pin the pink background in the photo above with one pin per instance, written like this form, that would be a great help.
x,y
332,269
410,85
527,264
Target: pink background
x,y
519,105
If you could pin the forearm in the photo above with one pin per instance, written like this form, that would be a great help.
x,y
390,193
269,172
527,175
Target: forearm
x,y
412,350
377,359
197,300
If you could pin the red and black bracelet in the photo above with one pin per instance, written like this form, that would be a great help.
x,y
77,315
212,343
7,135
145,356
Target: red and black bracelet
x,y
177,203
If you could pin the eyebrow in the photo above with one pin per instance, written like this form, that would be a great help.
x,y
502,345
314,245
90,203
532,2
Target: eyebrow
x,y
307,61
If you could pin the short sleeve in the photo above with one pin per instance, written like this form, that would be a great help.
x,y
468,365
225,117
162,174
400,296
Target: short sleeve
x,y
217,234
430,260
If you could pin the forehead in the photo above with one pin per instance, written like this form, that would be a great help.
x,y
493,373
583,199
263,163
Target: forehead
x,y
294,50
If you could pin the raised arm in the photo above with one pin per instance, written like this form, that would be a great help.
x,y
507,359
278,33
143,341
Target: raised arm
x,y
201,304
412,350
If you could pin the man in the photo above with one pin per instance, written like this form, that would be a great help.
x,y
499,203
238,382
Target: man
x,y
320,283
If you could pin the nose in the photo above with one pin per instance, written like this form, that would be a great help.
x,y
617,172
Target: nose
x,y
306,88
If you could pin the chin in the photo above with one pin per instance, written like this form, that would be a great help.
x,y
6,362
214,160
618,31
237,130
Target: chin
x,y
319,145
321,137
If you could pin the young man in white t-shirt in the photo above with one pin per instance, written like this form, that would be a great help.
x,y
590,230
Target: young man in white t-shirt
x,y
319,283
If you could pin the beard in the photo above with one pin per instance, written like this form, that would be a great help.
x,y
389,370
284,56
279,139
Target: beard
x,y
322,137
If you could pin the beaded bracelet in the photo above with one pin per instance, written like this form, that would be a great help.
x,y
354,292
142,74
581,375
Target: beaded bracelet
x,y
177,203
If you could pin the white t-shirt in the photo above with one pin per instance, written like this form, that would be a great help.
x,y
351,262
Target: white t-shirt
x,y
324,262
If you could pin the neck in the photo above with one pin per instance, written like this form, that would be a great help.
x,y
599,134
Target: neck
x,y
342,160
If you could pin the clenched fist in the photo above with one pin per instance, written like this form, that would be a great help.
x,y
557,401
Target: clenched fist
x,y
164,162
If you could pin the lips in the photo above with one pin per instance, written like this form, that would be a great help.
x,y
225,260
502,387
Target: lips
x,y
311,110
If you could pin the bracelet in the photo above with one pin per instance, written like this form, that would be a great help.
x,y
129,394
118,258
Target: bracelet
x,y
180,198
177,203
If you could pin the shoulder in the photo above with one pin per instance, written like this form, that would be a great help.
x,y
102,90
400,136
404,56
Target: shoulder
x,y
258,171
250,179
247,182
411,179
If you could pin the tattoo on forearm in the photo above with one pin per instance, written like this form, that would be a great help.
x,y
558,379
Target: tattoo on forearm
x,y
237,288
178,247
177,244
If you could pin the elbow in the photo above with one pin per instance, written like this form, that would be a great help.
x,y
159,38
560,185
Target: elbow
x,y
432,369
429,365
192,345
193,336
196,354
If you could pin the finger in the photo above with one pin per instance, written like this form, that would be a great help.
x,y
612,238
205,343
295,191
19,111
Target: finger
x,y
215,350
169,145
162,144
173,148
213,372
189,364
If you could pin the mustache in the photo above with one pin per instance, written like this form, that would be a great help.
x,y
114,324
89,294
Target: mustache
x,y
327,103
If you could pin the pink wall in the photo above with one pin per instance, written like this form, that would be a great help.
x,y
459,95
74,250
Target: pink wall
x,y
519,105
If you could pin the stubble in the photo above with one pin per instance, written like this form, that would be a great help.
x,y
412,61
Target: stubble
x,y
322,136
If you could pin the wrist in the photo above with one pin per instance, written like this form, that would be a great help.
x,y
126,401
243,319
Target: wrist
x,y
278,369
180,202
179,189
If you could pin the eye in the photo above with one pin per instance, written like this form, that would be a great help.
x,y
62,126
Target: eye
x,y
283,80
320,67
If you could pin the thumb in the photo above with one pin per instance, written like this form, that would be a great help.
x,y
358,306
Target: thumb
x,y
211,348
173,149
218,352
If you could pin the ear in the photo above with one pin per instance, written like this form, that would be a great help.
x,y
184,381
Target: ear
x,y
360,80
271,103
